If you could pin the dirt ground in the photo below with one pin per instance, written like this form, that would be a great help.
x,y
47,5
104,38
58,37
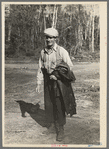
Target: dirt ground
x,y
20,84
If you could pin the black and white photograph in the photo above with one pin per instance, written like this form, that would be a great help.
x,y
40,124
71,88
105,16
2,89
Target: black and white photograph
x,y
54,59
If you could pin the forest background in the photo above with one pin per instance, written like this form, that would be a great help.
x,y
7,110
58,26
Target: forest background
x,y
78,26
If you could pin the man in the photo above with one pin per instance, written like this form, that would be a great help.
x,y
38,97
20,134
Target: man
x,y
58,94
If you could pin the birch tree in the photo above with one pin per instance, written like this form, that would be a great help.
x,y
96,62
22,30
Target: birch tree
x,y
24,26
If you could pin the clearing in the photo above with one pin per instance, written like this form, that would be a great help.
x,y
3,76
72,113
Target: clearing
x,y
20,84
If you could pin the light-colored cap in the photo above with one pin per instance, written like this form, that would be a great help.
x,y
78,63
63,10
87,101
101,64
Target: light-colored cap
x,y
52,32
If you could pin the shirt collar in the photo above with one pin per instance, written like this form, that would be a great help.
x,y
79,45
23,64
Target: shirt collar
x,y
54,48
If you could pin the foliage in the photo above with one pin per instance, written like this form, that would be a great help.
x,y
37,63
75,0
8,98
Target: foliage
x,y
24,26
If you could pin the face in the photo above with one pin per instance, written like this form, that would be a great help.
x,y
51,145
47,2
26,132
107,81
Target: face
x,y
50,41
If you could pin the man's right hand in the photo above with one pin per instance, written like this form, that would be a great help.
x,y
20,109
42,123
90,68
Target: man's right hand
x,y
53,77
38,89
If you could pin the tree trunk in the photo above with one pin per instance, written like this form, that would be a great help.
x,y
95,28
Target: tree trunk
x,y
9,32
54,17
86,33
79,31
44,22
92,34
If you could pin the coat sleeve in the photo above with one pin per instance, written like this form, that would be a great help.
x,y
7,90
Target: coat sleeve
x,y
39,72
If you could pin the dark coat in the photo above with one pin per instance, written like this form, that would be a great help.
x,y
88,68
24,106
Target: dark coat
x,y
63,73
61,87
65,77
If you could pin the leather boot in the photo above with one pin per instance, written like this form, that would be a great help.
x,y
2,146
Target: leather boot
x,y
60,133
51,129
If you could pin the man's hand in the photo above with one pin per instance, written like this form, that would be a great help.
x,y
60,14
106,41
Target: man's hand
x,y
38,88
53,77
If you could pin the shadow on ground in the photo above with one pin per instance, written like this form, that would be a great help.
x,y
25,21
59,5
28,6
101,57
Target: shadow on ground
x,y
40,118
34,111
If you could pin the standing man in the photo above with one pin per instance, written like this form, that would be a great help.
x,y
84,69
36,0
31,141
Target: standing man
x,y
55,68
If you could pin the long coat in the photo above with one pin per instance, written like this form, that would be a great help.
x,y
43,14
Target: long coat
x,y
64,79
61,87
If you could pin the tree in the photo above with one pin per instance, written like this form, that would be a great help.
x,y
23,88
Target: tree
x,y
78,27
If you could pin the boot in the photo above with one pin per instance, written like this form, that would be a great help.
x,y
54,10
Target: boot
x,y
60,133
51,129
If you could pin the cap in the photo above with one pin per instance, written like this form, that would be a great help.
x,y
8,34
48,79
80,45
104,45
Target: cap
x,y
52,32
